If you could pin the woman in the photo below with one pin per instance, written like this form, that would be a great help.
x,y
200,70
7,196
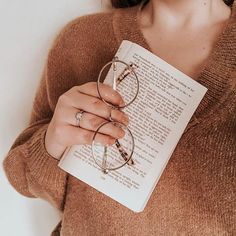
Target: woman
x,y
195,195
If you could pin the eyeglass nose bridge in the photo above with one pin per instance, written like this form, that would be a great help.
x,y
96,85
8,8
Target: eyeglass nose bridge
x,y
129,68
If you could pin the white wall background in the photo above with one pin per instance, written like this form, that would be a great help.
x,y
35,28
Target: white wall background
x,y
27,30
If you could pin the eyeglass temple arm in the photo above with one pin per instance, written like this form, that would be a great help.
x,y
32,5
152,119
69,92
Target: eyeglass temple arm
x,y
104,162
119,79
123,153
126,72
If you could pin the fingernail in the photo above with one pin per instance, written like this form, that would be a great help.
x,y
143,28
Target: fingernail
x,y
112,141
122,103
121,133
126,119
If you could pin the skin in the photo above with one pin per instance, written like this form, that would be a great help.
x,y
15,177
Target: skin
x,y
181,32
62,130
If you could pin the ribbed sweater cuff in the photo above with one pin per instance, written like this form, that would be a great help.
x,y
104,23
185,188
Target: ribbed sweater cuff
x,y
42,165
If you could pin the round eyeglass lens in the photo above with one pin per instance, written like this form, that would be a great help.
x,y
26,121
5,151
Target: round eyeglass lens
x,y
115,156
122,77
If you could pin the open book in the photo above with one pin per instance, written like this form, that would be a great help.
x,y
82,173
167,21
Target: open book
x,y
166,102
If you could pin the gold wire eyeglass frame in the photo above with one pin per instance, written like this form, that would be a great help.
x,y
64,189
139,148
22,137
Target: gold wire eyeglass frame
x,y
116,80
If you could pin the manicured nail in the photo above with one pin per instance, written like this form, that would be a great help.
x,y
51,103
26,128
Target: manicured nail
x,y
122,103
126,119
112,141
121,133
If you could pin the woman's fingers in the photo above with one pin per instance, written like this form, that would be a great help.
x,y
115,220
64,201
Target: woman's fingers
x,y
106,92
62,131
91,105
77,135
119,116
92,122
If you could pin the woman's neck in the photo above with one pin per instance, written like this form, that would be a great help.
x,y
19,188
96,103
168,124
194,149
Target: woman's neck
x,y
185,12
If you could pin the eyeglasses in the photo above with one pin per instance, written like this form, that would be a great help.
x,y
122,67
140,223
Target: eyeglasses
x,y
122,77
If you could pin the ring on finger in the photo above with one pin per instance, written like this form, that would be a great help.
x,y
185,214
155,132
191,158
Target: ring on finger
x,y
78,117
110,116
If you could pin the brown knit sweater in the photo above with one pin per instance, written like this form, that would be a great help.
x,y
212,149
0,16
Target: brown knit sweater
x,y
196,193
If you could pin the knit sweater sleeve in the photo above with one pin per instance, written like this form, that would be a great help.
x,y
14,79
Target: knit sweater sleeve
x,y
28,166
77,54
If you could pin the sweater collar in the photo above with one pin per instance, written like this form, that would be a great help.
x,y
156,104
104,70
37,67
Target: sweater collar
x,y
218,74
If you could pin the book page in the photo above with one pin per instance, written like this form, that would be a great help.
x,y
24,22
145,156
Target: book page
x,y
165,103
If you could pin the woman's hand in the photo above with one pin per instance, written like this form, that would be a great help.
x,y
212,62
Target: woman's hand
x,y
62,130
